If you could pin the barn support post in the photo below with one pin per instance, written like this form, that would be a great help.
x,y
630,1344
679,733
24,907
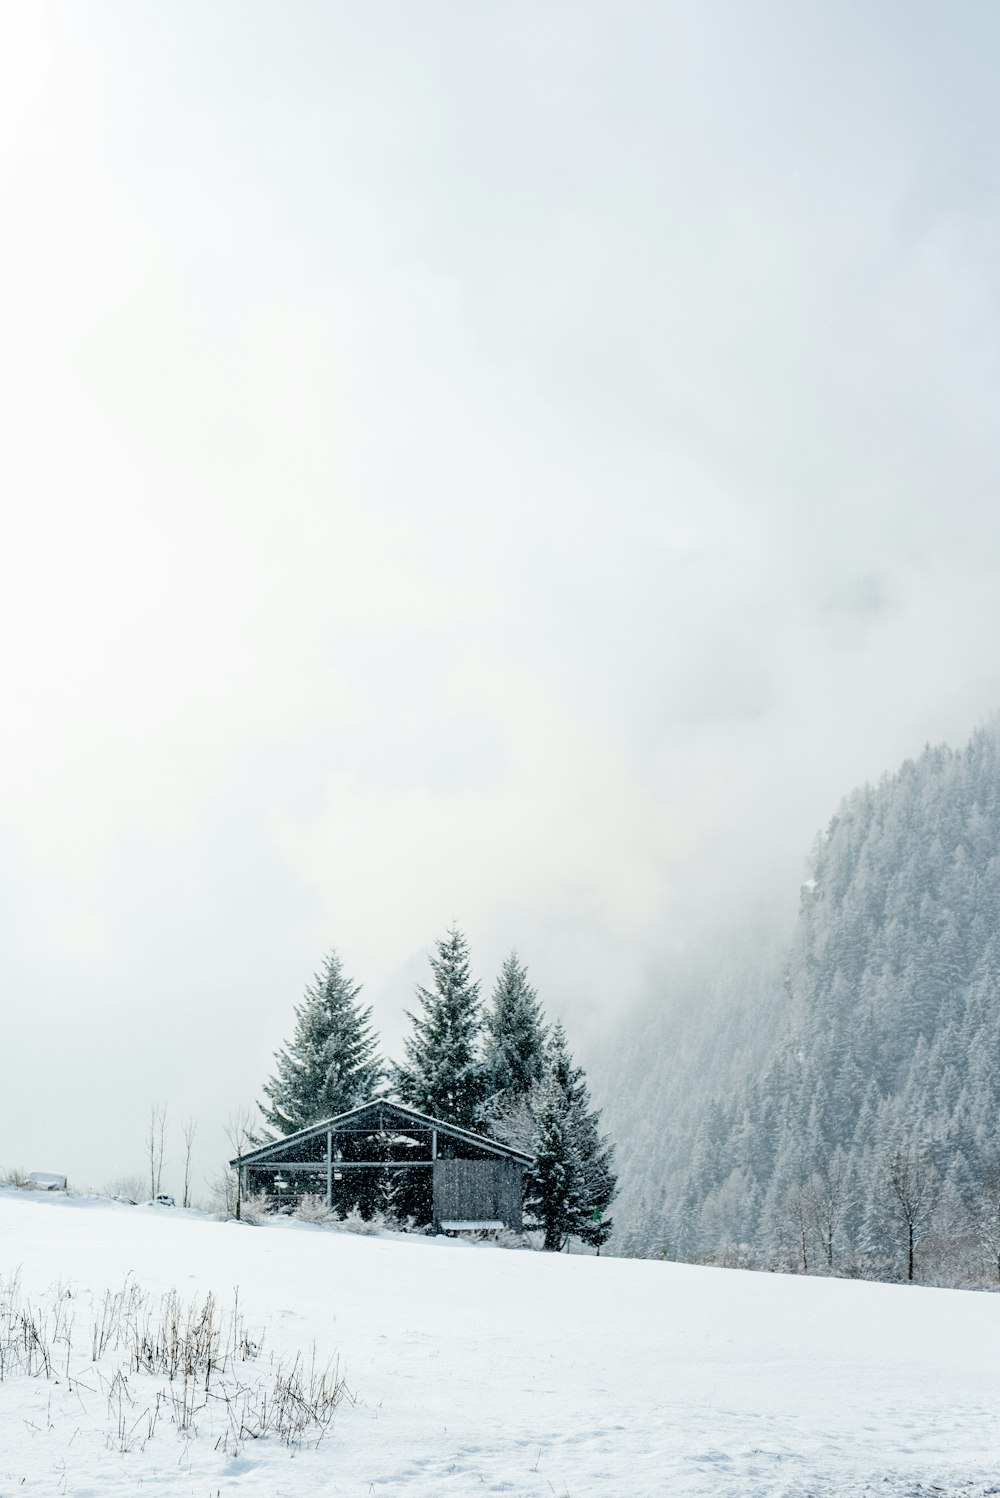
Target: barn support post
x,y
329,1170
434,1144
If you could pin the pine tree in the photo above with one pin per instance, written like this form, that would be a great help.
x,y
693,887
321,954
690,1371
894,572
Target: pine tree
x,y
572,1182
554,1197
443,1074
514,1039
330,1064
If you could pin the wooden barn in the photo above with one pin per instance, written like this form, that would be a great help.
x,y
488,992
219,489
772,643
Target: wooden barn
x,y
385,1155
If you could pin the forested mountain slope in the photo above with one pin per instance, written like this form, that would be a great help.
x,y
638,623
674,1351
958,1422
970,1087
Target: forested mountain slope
x,y
716,1017
883,1049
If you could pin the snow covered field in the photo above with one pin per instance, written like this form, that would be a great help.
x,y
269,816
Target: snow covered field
x,y
477,1370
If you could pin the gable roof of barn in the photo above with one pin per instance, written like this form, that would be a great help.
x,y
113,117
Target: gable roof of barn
x,y
382,1106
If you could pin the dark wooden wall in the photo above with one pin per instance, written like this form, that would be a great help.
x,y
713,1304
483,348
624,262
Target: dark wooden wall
x,y
478,1191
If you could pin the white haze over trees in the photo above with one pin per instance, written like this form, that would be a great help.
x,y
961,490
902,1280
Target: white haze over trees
x,y
513,464
850,1122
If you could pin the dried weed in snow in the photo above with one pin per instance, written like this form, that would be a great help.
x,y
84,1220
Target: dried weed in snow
x,y
146,1363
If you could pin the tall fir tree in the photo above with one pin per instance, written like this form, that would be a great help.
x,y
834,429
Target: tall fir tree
x,y
514,1039
443,1073
330,1064
554,1195
572,1183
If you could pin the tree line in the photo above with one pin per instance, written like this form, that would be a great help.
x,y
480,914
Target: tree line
x,y
497,1068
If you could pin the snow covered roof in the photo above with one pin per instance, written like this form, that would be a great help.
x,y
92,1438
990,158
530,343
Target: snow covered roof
x,y
399,1111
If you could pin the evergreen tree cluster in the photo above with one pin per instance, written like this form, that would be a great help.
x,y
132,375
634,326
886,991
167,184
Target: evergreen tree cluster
x,y
869,1123
493,1069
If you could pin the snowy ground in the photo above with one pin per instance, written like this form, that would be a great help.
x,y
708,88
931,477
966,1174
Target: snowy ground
x,y
477,1370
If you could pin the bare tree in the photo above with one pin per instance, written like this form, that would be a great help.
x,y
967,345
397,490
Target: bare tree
x,y
911,1185
830,1193
222,1192
987,1210
155,1144
189,1130
238,1127
800,1208
130,1187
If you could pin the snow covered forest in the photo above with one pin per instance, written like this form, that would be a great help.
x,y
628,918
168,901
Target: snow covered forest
x,y
832,1103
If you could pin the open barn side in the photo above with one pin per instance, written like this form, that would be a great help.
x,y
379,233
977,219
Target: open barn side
x,y
386,1156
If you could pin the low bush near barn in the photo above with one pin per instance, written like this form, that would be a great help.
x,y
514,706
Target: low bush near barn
x,y
315,1210
254,1209
310,1208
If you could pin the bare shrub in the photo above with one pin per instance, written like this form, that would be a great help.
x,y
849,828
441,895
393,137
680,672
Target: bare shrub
x,y
746,1256
367,1226
216,1383
225,1201
222,1194
129,1187
116,1317
952,1260
510,1238
863,1265
299,1407
30,1335
255,1208
313,1208
15,1175
500,1238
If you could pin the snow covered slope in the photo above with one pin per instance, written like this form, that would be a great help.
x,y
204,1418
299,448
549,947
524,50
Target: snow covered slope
x,y
477,1370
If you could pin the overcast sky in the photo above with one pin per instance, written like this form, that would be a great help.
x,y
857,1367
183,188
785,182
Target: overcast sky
x,y
517,463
